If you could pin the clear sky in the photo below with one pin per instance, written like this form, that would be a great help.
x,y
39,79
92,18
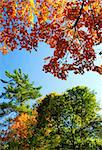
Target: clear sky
x,y
32,64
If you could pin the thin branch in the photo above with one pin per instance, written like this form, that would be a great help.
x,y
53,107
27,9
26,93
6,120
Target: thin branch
x,y
79,14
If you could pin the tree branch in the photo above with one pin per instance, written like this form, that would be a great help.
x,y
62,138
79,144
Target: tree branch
x,y
79,14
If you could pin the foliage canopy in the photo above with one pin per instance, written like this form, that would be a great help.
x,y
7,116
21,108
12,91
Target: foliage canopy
x,y
67,121
71,27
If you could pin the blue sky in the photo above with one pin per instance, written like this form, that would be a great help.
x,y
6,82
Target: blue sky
x,y
32,64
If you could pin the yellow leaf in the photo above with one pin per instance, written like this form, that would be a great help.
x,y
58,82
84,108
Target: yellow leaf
x,y
32,2
95,4
86,8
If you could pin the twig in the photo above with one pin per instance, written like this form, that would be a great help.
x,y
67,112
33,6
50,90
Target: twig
x,y
79,14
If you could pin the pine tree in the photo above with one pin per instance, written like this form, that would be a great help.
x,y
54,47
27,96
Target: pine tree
x,y
18,91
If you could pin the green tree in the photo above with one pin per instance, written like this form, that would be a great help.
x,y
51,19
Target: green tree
x,y
14,99
69,121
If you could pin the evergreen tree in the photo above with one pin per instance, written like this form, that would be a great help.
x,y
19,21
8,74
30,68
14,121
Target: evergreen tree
x,y
17,92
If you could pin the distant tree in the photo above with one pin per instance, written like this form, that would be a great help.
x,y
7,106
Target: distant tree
x,y
17,92
68,121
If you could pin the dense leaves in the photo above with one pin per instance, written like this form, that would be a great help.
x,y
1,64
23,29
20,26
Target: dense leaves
x,y
72,28
18,91
68,121
16,17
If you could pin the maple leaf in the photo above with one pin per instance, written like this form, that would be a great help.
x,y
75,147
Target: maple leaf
x,y
72,28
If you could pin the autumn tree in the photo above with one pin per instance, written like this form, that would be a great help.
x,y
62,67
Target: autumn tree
x,y
21,131
67,121
17,92
71,27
